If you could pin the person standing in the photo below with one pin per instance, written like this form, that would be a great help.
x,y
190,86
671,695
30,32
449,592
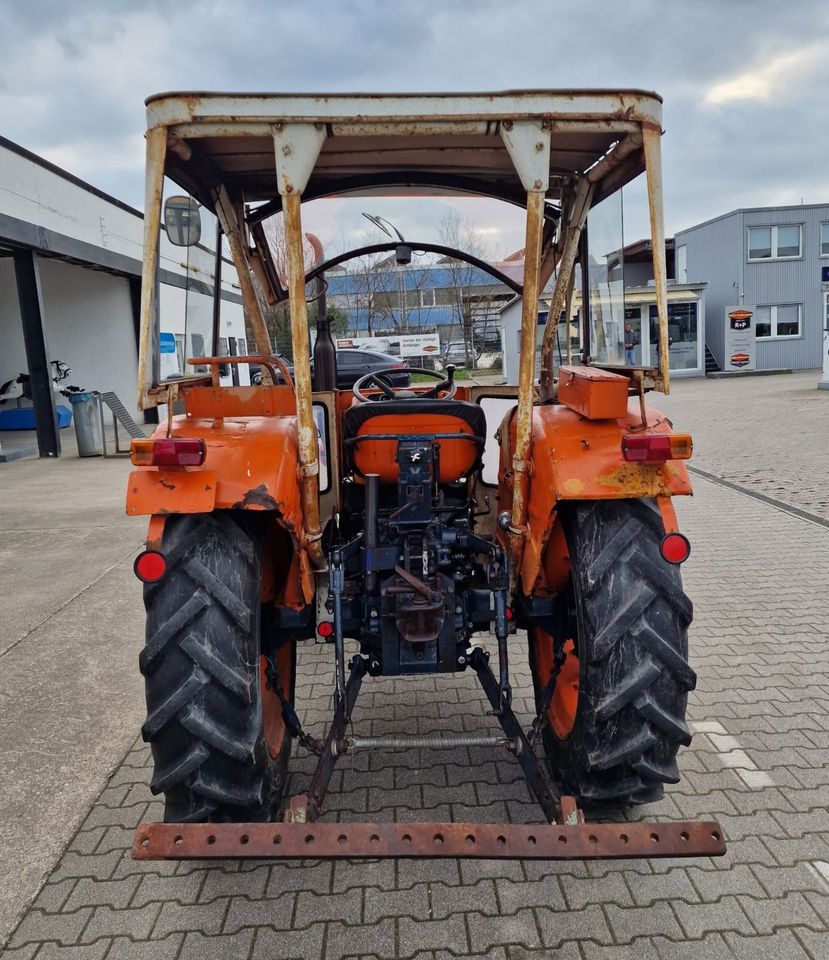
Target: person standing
x,y
630,345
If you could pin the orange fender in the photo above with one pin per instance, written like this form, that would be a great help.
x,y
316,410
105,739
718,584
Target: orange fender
x,y
573,458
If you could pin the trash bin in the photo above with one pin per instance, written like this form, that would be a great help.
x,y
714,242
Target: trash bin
x,y
87,424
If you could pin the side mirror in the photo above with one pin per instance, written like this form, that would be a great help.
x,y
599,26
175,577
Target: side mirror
x,y
183,221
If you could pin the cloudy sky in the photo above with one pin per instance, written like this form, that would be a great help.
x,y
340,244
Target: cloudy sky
x,y
745,83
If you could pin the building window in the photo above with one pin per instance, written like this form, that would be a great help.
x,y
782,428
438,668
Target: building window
x,y
427,298
682,263
777,322
775,243
824,239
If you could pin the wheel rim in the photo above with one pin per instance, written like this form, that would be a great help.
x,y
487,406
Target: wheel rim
x,y
273,723
564,705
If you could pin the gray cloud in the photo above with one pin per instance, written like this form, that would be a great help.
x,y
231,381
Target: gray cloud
x,y
744,81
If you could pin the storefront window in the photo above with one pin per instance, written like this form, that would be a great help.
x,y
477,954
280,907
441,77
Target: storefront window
x,y
682,335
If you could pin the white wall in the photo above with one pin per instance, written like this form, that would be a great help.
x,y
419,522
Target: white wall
x,y
89,326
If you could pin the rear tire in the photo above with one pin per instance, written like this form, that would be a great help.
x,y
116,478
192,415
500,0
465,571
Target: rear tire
x,y
219,746
630,623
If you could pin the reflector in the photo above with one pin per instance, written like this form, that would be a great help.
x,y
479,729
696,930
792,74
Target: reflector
x,y
325,628
675,548
150,566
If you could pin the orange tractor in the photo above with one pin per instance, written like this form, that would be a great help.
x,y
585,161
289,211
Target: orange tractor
x,y
290,510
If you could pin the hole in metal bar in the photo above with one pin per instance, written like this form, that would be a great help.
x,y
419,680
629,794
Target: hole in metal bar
x,y
211,839
342,838
374,838
502,840
244,839
277,838
438,838
309,838
623,837
684,836
562,838
531,840
177,840
470,839
655,837
145,841
715,835
593,838
406,838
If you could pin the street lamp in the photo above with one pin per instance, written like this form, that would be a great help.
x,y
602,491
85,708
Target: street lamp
x,y
402,255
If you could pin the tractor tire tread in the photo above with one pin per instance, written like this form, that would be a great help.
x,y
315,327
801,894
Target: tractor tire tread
x,y
633,634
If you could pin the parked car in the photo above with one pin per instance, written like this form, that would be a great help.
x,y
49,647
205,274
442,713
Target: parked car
x,y
353,364
454,353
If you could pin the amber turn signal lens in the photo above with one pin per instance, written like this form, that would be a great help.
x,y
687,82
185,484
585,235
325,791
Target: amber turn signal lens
x,y
168,452
658,448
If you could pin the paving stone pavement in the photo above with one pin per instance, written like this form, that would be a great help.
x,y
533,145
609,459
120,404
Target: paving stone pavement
x,y
760,584
767,434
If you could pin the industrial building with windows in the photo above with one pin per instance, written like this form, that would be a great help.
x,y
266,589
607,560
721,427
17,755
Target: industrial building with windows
x,y
772,260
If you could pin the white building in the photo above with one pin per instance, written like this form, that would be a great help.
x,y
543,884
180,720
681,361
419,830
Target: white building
x,y
70,277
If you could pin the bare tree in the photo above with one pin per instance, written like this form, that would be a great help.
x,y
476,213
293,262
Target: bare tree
x,y
472,303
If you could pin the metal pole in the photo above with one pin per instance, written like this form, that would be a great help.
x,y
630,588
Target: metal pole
x,y
37,353
526,369
217,289
585,297
652,135
148,374
307,429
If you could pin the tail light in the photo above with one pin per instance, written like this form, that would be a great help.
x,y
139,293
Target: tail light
x,y
169,452
657,448
150,566
675,548
325,628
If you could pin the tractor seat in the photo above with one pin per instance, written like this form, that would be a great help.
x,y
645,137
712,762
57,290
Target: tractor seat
x,y
371,432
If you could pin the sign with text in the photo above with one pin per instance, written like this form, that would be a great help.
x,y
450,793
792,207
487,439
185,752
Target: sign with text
x,y
402,345
740,343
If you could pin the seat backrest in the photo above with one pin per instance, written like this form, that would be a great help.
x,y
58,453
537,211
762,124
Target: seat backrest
x,y
371,431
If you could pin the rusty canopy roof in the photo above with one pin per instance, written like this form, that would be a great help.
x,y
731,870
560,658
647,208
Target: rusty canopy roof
x,y
400,143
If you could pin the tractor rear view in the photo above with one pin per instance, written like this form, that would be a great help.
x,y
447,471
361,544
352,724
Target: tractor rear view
x,y
291,512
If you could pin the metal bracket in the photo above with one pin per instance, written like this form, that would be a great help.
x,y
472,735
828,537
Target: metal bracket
x,y
296,146
528,144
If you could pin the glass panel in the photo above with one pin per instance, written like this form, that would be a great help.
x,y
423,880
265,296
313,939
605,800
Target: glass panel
x,y
495,409
759,243
788,320
788,241
824,239
633,337
605,241
186,312
682,336
322,441
763,324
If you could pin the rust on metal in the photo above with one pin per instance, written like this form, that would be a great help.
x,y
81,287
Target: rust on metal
x,y
652,135
307,429
526,369
232,227
298,840
156,148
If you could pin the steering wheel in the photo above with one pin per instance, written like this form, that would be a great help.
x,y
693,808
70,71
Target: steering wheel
x,y
388,392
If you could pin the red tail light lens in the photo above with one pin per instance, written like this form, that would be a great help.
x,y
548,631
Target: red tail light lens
x,y
325,628
169,452
675,548
150,566
657,449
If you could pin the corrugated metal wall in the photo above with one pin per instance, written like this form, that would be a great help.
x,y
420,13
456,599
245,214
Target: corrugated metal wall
x,y
715,255
717,251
